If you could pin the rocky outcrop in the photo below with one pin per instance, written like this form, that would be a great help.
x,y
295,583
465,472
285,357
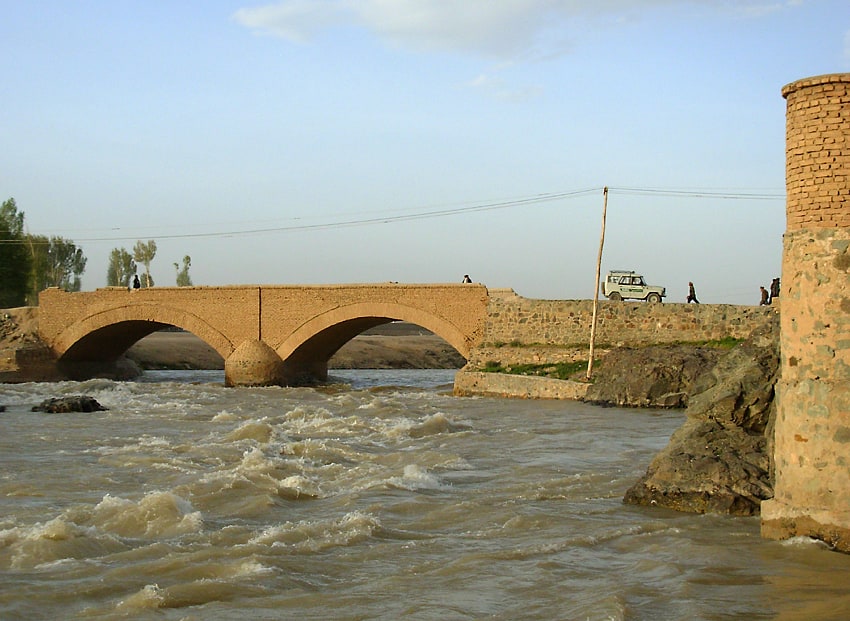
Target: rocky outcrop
x,y
75,403
655,377
718,461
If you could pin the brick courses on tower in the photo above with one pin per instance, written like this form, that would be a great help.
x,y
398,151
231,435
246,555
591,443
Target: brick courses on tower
x,y
812,433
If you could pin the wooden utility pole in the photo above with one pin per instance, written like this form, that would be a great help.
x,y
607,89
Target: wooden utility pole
x,y
596,289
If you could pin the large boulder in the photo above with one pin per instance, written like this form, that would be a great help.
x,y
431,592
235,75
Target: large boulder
x,y
657,377
719,460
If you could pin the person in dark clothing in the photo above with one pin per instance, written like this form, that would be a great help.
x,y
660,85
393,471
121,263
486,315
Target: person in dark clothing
x,y
136,283
466,278
774,290
692,294
765,300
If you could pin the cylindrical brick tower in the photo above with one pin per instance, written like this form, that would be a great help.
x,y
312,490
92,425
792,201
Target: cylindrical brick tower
x,y
812,434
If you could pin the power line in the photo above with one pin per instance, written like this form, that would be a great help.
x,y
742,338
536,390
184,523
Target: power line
x,y
531,200
698,193
451,211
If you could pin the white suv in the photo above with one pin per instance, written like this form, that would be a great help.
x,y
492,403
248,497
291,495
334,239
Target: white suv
x,y
622,285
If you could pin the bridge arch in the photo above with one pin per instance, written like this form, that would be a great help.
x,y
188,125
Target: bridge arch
x,y
105,335
306,351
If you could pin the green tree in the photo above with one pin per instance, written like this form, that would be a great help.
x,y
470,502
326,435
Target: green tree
x,y
15,258
144,252
39,261
121,268
56,262
183,278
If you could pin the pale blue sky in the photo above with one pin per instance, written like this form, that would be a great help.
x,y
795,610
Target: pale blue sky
x,y
247,135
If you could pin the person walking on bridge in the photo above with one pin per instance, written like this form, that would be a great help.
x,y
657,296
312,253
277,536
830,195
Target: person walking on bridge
x,y
692,294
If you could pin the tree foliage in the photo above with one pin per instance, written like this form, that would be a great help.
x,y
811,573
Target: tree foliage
x,y
56,262
31,263
15,258
121,268
144,252
183,278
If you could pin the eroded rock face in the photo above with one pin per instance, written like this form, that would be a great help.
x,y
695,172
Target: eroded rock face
x,y
656,377
719,460
76,403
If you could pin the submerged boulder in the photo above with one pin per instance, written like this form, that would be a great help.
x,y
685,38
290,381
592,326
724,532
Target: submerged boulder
x,y
76,403
719,460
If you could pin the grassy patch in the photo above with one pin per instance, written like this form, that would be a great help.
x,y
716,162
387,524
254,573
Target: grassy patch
x,y
727,342
559,370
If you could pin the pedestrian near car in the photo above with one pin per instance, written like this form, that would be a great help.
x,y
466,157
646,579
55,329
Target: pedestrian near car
x,y
692,294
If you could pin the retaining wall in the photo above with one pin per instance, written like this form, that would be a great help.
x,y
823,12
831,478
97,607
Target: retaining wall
x,y
522,330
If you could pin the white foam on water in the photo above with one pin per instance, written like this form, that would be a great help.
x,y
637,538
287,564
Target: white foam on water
x,y
156,515
298,487
257,430
148,598
225,416
46,543
309,536
256,461
416,477
804,541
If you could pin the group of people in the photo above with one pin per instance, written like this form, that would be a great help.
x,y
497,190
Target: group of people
x,y
766,296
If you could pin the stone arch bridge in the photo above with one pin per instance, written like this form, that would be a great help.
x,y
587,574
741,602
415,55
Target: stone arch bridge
x,y
266,335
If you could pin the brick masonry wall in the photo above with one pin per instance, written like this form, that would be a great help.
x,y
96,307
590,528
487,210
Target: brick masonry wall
x,y
817,173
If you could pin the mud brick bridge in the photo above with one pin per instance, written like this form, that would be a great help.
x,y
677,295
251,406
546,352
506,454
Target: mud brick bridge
x,y
266,334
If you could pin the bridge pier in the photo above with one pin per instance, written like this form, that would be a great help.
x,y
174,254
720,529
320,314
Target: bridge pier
x,y
812,432
253,363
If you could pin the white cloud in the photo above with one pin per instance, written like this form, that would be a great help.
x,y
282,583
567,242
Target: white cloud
x,y
296,20
504,30
494,86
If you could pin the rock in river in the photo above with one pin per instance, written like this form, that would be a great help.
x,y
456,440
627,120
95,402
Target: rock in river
x,y
76,403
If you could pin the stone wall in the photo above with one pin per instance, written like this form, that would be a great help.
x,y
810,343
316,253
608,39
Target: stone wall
x,y
469,383
523,330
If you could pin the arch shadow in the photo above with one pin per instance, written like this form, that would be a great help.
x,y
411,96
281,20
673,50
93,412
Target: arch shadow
x,y
306,352
94,344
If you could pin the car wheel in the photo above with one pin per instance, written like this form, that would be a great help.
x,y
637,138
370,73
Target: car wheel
x,y
653,298
614,296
